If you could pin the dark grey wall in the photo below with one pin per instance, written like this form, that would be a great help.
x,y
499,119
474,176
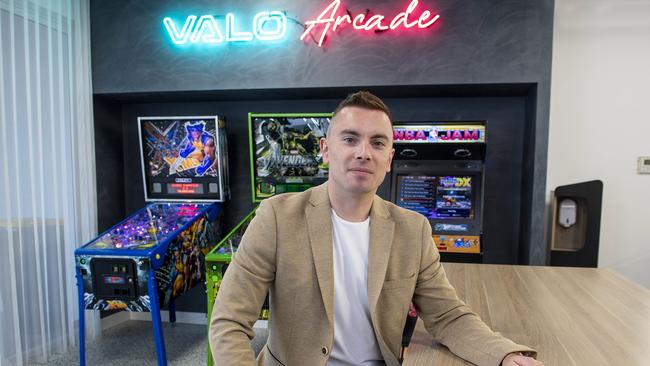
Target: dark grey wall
x,y
479,41
474,43
109,160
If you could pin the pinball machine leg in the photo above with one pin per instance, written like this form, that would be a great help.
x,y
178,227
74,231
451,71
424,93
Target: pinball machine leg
x,y
155,319
172,311
82,322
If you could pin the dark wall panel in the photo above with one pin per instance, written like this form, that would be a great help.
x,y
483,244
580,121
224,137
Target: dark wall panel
x,y
109,162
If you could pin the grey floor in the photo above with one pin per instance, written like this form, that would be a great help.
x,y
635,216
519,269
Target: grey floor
x,y
131,343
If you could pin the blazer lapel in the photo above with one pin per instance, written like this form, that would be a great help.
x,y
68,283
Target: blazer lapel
x,y
319,226
382,228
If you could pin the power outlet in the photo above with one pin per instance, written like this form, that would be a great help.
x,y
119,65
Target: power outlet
x,y
643,165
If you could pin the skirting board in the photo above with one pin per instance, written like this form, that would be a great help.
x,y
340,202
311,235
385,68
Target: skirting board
x,y
181,317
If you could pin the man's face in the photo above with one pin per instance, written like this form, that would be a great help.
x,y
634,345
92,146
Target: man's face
x,y
359,150
195,134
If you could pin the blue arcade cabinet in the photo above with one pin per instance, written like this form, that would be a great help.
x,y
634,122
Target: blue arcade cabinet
x,y
158,253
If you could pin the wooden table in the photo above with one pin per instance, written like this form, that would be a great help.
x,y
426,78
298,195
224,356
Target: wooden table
x,y
571,316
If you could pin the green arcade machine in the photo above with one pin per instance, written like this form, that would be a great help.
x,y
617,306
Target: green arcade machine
x,y
284,157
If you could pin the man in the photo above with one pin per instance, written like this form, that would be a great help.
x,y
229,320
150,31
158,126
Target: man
x,y
342,266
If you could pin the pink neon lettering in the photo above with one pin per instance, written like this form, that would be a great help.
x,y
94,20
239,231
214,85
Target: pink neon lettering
x,y
358,19
332,9
403,17
330,21
375,21
341,19
426,14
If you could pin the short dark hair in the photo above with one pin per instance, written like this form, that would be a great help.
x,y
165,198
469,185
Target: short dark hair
x,y
364,99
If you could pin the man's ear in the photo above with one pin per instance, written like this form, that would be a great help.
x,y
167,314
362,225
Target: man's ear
x,y
324,149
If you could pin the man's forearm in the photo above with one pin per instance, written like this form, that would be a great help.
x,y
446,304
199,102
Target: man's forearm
x,y
449,320
242,292
236,309
230,343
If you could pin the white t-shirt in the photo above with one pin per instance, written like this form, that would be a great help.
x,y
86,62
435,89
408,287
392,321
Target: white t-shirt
x,y
354,337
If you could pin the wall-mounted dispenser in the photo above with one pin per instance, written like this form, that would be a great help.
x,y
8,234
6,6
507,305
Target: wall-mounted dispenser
x,y
575,225
567,213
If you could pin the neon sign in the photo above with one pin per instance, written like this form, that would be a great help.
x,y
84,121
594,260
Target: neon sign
x,y
266,26
272,25
330,21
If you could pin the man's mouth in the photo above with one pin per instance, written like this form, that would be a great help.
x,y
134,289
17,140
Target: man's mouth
x,y
362,170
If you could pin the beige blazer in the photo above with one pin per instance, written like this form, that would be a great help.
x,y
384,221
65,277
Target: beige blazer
x,y
287,250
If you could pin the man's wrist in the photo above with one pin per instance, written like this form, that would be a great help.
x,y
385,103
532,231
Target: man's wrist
x,y
519,353
508,354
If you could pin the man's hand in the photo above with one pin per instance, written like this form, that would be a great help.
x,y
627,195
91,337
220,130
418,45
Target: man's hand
x,y
515,359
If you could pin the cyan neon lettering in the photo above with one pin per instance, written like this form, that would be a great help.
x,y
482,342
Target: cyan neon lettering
x,y
184,35
261,24
206,31
232,35
266,26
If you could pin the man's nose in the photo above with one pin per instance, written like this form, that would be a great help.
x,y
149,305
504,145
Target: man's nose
x,y
363,151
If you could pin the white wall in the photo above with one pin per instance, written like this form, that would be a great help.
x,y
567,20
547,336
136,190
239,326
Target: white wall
x,y
600,120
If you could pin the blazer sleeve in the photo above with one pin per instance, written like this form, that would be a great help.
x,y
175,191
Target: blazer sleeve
x,y
449,320
243,290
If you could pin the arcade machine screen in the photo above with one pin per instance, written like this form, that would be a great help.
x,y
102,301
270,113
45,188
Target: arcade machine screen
x,y
450,204
285,153
436,197
180,160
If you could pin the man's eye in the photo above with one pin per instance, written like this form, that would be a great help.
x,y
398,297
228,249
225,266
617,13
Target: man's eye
x,y
379,144
348,140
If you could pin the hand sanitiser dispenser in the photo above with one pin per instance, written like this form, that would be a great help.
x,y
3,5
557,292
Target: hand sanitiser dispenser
x,y
567,213
575,225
